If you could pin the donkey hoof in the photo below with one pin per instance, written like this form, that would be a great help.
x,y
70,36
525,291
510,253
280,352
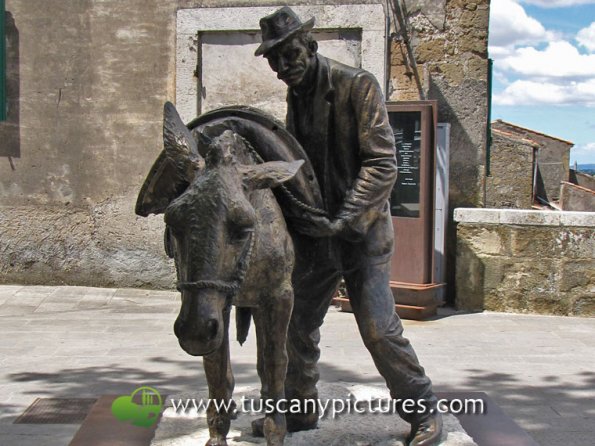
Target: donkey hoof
x,y
275,439
258,427
275,429
294,424
216,442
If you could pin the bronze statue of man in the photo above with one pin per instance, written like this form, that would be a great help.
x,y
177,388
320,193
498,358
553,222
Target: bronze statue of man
x,y
338,114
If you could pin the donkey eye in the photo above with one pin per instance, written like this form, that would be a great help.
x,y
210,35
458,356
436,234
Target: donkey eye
x,y
238,233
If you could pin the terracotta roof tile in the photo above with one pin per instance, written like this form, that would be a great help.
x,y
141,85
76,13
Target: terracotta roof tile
x,y
516,137
532,131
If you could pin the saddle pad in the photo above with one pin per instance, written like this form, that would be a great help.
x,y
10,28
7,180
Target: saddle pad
x,y
268,137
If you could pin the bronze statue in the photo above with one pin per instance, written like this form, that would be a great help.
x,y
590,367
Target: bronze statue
x,y
228,237
338,115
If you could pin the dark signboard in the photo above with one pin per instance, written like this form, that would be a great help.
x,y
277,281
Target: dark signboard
x,y
405,197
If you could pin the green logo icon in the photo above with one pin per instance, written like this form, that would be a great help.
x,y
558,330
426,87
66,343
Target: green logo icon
x,y
141,408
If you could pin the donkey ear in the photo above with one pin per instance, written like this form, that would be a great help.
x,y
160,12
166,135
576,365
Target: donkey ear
x,y
204,141
180,147
271,174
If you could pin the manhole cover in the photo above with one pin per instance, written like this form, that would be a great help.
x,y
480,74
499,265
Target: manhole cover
x,y
56,411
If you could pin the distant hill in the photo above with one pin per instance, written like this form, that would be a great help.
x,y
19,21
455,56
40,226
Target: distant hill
x,y
587,168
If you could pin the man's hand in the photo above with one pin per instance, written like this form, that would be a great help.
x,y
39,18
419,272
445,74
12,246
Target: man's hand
x,y
337,226
314,226
319,226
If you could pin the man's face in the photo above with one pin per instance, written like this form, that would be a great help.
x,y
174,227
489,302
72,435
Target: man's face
x,y
291,61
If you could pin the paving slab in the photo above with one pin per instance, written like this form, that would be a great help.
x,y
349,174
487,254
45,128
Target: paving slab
x,y
539,369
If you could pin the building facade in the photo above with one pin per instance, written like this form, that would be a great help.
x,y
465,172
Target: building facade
x,y
86,85
552,159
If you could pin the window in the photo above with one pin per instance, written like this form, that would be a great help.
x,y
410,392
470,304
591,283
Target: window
x,y
2,63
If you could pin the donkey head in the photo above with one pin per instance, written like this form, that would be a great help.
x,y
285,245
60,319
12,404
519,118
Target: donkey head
x,y
211,229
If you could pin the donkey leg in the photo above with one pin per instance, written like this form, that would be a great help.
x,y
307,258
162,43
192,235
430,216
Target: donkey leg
x,y
220,379
272,320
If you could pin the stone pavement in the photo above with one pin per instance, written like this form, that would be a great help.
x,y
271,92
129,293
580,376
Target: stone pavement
x,y
76,342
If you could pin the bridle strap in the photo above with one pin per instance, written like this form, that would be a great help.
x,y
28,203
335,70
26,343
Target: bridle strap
x,y
225,287
229,288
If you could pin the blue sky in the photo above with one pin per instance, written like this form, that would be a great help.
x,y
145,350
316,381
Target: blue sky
x,y
544,68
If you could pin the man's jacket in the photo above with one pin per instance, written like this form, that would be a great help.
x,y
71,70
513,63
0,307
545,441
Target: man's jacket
x,y
351,127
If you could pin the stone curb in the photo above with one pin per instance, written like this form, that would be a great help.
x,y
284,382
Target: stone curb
x,y
524,217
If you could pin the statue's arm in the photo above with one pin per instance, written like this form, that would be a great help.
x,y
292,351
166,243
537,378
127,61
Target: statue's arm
x,y
378,171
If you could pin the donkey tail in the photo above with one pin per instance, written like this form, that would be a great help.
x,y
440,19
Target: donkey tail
x,y
243,316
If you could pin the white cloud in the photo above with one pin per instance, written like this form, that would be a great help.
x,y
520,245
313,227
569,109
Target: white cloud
x,y
535,65
500,52
501,77
559,60
524,92
558,3
584,153
586,37
510,25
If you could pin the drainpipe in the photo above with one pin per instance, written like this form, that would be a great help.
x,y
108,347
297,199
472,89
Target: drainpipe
x,y
489,124
400,13
535,155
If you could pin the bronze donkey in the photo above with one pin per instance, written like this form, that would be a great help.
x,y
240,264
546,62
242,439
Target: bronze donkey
x,y
228,237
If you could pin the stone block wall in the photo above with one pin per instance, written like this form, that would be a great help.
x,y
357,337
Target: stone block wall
x,y
450,40
526,261
553,159
510,184
576,198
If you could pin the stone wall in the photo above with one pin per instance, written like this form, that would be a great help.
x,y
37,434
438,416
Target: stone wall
x,y
526,261
553,159
576,198
510,184
93,79
582,179
88,80
449,40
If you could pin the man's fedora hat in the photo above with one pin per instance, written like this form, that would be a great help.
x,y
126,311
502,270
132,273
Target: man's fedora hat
x,y
278,27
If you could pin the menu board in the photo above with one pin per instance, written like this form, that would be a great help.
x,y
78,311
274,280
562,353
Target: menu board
x,y
404,200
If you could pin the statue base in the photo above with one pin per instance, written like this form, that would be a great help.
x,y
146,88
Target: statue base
x,y
494,427
344,429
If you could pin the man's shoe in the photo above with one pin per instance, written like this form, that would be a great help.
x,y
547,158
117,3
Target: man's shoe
x,y
426,432
294,424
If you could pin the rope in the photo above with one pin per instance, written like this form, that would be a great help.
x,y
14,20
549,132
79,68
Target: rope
x,y
229,288
232,287
294,200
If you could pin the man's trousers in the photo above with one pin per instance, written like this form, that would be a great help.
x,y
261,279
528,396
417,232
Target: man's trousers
x,y
316,278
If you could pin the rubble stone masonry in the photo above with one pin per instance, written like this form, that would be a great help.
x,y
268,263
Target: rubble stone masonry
x,y
526,261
